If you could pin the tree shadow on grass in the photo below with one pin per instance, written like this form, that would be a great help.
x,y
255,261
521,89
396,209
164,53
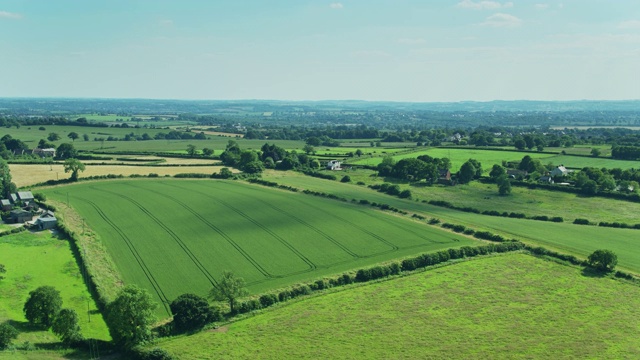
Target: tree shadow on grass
x,y
25,326
594,273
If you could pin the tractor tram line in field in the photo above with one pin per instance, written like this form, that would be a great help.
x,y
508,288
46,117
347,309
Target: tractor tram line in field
x,y
171,233
312,266
138,257
235,245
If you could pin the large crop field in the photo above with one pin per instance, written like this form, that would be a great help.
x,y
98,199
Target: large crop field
x,y
173,236
510,306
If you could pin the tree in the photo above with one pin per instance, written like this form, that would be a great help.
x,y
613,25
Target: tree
x,y
53,137
42,306
229,288
309,149
504,185
519,144
346,179
73,136
130,317
595,152
85,137
603,260
66,151
496,172
7,334
6,185
191,312
207,151
66,326
466,173
73,165
43,144
225,173
359,153
191,150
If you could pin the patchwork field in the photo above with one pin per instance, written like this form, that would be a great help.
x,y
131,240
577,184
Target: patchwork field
x,y
565,237
459,156
37,259
175,236
510,306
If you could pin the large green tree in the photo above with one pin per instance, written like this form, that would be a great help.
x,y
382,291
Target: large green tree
x,y
229,288
130,317
66,326
73,136
73,166
66,151
42,306
466,173
604,260
191,312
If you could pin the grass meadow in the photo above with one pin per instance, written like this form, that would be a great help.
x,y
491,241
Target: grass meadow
x,y
565,237
176,236
37,259
501,307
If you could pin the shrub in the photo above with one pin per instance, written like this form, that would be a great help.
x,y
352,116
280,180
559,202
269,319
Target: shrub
x,y
405,194
581,222
346,179
7,334
268,300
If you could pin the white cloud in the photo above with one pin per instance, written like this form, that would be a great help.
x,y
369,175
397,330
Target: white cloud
x,y
336,5
542,6
9,15
502,20
629,25
410,41
483,5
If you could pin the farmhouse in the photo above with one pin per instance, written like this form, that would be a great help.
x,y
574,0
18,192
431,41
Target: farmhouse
x,y
50,152
559,171
517,174
333,165
46,223
25,196
546,179
6,204
20,216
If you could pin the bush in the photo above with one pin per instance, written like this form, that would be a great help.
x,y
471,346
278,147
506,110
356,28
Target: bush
x,y
7,334
346,179
581,222
603,260
405,194
267,300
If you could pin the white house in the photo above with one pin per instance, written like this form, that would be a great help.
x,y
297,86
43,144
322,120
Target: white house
x,y
559,171
333,165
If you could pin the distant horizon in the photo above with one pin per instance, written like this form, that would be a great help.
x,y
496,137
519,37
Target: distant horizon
x,y
411,51
322,100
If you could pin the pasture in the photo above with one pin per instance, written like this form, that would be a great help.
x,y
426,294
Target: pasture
x,y
37,259
564,237
509,306
176,236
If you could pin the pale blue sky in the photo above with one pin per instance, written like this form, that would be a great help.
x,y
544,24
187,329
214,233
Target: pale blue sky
x,y
400,50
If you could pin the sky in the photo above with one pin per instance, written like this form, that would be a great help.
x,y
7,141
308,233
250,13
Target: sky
x,y
377,50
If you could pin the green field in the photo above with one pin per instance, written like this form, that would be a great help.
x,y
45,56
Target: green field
x,y
565,237
37,259
510,306
173,236
459,156
579,162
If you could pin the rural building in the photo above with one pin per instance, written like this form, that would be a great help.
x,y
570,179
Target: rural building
x,y
50,152
333,165
546,179
444,175
47,214
13,198
25,196
20,216
517,174
6,205
46,223
559,171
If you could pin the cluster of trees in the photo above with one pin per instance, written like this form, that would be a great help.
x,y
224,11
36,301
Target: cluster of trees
x,y
423,167
270,157
625,152
6,185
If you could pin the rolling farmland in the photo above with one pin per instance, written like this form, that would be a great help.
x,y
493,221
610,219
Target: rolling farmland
x,y
173,236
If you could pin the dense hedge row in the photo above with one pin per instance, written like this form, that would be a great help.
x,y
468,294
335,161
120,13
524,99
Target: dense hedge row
x,y
392,189
607,224
13,231
515,215
319,175
272,184
373,273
